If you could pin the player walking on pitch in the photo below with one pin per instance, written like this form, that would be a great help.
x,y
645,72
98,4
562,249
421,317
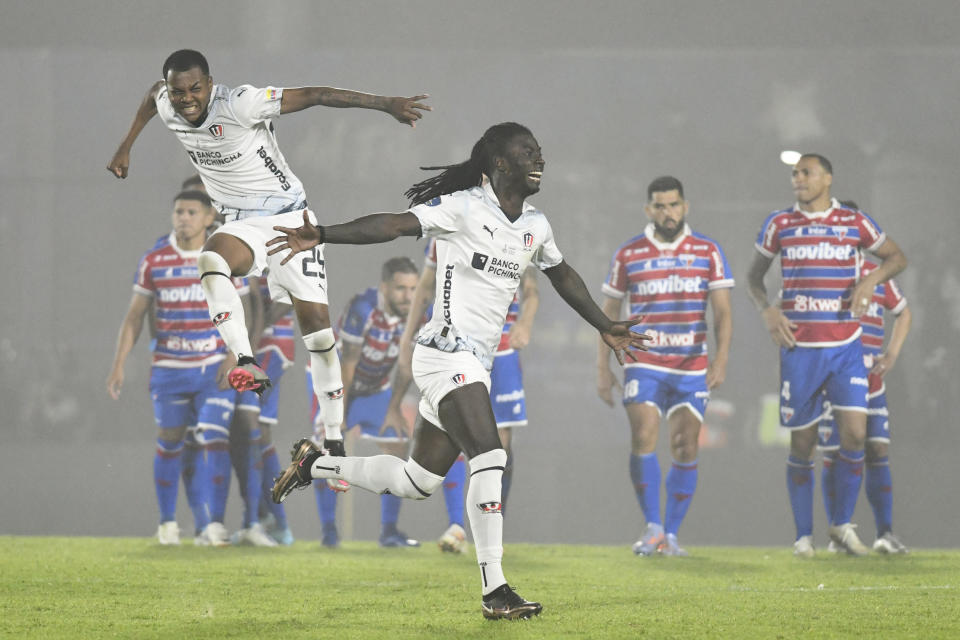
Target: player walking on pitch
x,y
229,136
479,275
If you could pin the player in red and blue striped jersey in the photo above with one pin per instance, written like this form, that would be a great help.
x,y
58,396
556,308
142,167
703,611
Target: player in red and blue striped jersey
x,y
667,275
824,294
190,364
878,361
368,335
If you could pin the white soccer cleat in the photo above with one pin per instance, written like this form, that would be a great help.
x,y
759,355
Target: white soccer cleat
x,y
671,547
845,536
803,547
168,533
255,535
833,547
453,540
213,535
651,541
889,543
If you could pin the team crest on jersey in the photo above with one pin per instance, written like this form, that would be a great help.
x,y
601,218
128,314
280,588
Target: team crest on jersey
x,y
687,259
216,130
433,202
840,232
527,239
786,413
220,318
459,379
490,507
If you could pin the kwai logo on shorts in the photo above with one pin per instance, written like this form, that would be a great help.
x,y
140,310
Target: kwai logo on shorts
x,y
490,507
459,379
216,130
220,318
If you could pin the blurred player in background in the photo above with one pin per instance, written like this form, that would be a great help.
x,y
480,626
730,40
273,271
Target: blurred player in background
x,y
369,334
819,242
188,379
878,361
667,275
229,136
488,236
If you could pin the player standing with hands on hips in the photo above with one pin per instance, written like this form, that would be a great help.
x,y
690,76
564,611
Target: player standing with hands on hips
x,y
487,236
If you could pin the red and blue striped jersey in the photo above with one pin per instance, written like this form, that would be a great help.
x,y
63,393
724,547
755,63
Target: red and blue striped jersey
x,y
819,259
886,296
667,285
185,335
430,260
277,337
378,333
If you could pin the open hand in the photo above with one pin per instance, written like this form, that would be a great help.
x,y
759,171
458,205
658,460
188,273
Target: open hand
x,y
408,110
620,338
296,240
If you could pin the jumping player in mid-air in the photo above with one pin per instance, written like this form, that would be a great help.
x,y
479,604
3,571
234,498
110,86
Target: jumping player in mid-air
x,y
478,276
229,136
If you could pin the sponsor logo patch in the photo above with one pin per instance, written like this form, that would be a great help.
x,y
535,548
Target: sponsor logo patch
x,y
479,261
490,507
220,318
335,395
216,130
459,379
528,239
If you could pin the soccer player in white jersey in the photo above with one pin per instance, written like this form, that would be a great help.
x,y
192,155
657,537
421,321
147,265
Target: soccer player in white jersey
x,y
488,235
667,275
817,329
229,136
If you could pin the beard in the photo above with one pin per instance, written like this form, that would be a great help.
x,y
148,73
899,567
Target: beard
x,y
669,233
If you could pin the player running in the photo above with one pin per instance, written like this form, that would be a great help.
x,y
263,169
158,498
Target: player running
x,y
667,275
879,362
824,293
229,136
487,236
188,378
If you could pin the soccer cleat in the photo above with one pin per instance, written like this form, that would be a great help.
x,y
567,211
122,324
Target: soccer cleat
x,y
297,474
168,533
248,376
331,539
255,535
453,540
889,543
283,537
803,547
335,448
833,547
213,535
503,603
846,538
397,539
671,547
651,540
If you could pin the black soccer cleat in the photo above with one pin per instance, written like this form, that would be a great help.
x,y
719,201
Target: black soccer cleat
x,y
334,447
297,475
503,603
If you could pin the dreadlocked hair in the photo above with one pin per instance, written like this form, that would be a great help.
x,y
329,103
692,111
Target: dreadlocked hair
x,y
469,173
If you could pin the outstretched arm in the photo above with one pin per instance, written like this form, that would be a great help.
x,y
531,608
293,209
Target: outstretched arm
x,y
120,162
372,229
405,110
617,335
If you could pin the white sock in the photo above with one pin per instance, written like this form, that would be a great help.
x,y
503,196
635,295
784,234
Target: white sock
x,y
223,302
379,474
327,383
486,515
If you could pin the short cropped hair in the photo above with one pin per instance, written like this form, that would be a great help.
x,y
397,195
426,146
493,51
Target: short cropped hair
x,y
192,181
400,264
199,196
184,60
822,160
664,183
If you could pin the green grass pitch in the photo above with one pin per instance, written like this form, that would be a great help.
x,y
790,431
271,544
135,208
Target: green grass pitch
x,y
133,588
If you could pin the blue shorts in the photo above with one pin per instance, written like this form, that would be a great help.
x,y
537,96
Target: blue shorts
x,y
506,391
268,405
190,397
878,419
666,391
367,412
807,374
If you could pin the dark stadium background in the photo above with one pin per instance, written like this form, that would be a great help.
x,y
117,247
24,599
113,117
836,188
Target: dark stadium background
x,y
616,92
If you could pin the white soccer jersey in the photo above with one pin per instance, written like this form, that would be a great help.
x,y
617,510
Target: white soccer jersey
x,y
481,256
235,150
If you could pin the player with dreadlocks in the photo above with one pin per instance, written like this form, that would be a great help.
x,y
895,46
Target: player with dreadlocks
x,y
487,235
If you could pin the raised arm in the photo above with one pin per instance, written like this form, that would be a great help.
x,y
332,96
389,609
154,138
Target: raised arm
x,y
130,330
372,229
617,335
120,163
894,261
405,110
722,331
779,326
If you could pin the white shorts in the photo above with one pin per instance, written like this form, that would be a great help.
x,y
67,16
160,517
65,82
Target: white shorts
x,y
304,277
437,373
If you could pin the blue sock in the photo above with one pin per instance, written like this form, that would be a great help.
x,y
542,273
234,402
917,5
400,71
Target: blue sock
x,y
270,471
326,502
253,480
166,477
193,483
880,493
453,491
217,476
645,474
800,489
389,512
849,477
505,482
681,485
828,484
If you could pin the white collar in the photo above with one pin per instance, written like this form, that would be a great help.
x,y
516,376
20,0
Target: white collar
x,y
817,214
183,252
650,230
487,188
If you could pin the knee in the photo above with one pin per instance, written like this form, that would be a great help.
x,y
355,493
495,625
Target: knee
x,y
322,341
212,263
802,443
422,483
876,450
